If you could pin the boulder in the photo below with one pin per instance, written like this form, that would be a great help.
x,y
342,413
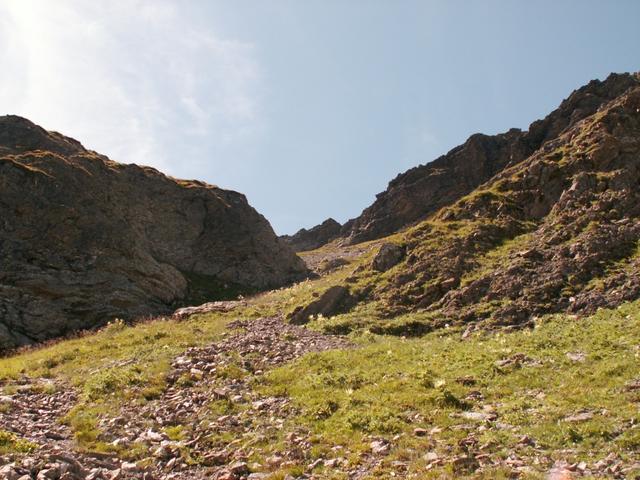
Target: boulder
x,y
209,307
387,257
334,300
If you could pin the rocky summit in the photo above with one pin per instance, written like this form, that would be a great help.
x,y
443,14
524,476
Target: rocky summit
x,y
315,237
84,239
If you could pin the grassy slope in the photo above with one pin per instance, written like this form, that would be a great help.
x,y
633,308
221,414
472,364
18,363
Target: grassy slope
x,y
118,364
389,385
392,385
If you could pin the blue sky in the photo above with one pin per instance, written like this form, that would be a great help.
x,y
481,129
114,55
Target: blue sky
x,y
308,107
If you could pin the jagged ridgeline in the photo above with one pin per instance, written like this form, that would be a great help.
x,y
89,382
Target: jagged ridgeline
x,y
84,239
315,237
421,191
522,223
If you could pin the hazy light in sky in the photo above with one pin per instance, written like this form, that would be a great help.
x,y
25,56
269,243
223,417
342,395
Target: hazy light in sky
x,y
308,107
127,78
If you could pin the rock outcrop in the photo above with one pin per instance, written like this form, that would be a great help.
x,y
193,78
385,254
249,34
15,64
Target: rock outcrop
x,y
388,256
315,237
557,231
334,300
84,239
423,190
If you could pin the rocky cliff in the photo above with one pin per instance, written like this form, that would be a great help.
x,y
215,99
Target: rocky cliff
x,y
84,239
557,231
423,190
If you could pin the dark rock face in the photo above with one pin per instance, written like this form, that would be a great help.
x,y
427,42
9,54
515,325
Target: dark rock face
x,y
84,239
558,231
387,257
315,237
334,300
423,190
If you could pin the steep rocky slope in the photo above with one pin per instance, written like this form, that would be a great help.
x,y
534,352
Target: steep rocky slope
x,y
558,231
315,237
423,190
84,239
238,392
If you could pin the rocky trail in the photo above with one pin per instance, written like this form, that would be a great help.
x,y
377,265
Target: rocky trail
x,y
220,374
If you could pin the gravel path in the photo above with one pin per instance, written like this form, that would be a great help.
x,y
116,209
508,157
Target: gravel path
x,y
220,373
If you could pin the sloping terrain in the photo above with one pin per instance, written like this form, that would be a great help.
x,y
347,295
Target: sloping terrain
x,y
213,397
497,338
84,239
558,231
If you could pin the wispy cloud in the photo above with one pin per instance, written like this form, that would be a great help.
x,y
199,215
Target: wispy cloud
x,y
129,78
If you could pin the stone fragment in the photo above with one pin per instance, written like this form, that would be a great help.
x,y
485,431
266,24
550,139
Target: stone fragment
x,y
388,256
380,447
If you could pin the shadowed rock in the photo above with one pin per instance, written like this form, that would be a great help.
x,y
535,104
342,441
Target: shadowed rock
x,y
387,257
84,239
335,300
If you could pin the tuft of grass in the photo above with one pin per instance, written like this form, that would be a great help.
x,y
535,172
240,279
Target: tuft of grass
x,y
11,444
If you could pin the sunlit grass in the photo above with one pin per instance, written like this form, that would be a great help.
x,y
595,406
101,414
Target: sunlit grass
x,y
389,386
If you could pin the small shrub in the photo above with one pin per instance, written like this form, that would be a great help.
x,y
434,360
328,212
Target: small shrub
x,y
9,443
111,381
326,409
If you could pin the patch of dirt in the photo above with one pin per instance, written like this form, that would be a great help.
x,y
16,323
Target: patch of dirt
x,y
335,255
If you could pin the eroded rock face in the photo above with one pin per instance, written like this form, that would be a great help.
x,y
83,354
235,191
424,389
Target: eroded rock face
x,y
556,232
315,237
84,239
423,190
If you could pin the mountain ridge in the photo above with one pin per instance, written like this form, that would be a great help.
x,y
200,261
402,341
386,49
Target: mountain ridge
x,y
557,231
422,190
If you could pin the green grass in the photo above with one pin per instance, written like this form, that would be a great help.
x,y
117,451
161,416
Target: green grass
x,y
118,364
116,348
10,444
389,386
